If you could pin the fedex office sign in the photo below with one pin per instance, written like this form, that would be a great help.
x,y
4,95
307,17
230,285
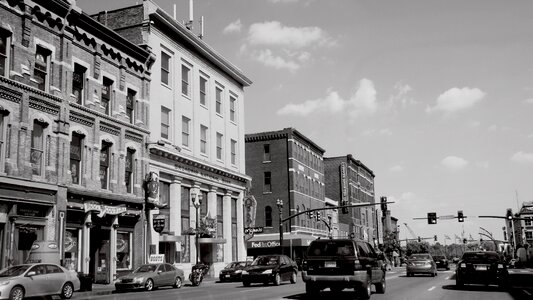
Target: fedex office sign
x,y
265,244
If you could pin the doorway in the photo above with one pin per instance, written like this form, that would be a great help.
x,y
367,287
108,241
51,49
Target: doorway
x,y
100,255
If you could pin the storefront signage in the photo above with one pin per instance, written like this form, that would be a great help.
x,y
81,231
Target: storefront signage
x,y
156,258
265,244
103,209
344,188
252,230
159,224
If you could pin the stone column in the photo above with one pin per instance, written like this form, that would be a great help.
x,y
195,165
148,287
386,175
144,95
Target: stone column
x,y
113,250
241,247
86,235
175,210
226,210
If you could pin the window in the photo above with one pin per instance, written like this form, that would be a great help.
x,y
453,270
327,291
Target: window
x,y
203,203
185,131
234,252
218,95
164,192
4,54
130,105
528,219
129,175
268,216
107,85
165,68
40,71
529,235
203,91
3,139
267,182
165,122
219,145
266,152
104,165
185,79
124,250
232,103
75,157
203,139
37,148
185,223
233,152
78,78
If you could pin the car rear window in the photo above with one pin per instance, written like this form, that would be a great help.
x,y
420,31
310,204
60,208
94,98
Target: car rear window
x,y
420,256
481,256
331,248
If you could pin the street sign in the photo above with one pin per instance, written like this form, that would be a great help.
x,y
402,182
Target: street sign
x,y
252,230
447,217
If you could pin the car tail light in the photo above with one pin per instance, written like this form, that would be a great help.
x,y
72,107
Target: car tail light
x,y
305,266
357,265
500,266
462,265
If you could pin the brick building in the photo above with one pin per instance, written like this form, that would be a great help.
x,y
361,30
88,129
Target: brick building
x,y
73,127
285,165
196,138
350,182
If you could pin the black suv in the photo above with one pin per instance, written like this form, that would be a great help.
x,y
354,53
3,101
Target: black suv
x,y
343,263
481,267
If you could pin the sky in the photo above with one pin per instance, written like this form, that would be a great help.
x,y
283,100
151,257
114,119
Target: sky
x,y
436,97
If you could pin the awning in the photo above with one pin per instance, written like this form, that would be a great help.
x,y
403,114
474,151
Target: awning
x,y
271,241
212,240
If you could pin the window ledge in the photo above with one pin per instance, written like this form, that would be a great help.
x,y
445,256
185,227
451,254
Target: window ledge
x,y
267,161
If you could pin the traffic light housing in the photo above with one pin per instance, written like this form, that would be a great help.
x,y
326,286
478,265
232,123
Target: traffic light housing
x,y
464,241
460,216
432,218
345,210
384,204
317,215
419,239
435,237
509,214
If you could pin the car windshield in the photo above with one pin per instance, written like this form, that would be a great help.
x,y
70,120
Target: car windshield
x,y
14,271
481,256
438,257
231,265
420,256
265,261
331,248
145,269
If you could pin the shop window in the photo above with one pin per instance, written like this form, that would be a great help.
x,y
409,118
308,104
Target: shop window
x,y
234,209
185,80
219,145
203,139
203,205
130,105
268,216
104,165
185,245
107,87
203,91
266,152
24,238
78,78
72,250
185,131
165,122
164,192
124,250
40,70
129,176
165,68
233,152
218,98
267,182
4,53
232,108
76,144
37,148
234,252
185,201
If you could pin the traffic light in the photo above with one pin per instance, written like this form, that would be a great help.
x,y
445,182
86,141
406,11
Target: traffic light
x,y
509,214
383,203
460,216
432,218
317,215
435,237
464,241
419,239
345,210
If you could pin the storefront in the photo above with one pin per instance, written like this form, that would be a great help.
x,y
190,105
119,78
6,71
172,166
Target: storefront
x,y
294,245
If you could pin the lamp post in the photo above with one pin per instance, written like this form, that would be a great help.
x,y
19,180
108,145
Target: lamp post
x,y
197,201
279,203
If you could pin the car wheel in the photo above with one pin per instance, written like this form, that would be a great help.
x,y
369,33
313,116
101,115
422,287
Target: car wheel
x,y
177,283
17,293
381,286
67,291
311,290
293,277
277,279
365,291
149,285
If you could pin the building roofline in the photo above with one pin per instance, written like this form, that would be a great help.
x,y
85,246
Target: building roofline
x,y
353,160
280,134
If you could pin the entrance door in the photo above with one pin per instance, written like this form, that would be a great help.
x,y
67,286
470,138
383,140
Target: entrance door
x,y
206,256
100,255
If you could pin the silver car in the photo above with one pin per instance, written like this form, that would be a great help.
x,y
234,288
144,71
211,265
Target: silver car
x,y
30,280
150,276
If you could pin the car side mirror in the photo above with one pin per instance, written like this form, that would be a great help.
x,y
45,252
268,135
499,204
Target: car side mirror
x,y
31,273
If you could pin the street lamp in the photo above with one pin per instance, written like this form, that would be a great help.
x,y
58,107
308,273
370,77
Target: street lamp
x,y
197,201
279,203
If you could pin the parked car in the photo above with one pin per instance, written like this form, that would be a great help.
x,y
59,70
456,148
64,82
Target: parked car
x,y
343,263
441,261
233,271
32,280
150,276
481,267
270,268
421,263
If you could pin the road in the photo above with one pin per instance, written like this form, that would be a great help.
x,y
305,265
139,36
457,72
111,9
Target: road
x,y
399,287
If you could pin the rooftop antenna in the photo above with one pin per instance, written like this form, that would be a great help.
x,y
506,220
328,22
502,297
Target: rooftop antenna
x,y
189,23
201,28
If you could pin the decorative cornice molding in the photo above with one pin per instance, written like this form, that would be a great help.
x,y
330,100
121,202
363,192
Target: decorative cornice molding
x,y
109,118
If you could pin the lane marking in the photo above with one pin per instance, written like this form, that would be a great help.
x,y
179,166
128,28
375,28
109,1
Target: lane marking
x,y
431,288
525,291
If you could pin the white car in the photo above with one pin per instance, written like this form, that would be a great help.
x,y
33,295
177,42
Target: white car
x,y
31,280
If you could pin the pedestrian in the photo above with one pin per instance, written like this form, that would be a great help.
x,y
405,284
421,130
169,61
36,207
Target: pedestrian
x,y
521,257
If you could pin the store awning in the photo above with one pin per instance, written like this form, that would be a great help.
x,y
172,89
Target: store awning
x,y
212,240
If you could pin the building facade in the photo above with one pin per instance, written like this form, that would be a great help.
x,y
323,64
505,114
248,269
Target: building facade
x,y
524,225
350,182
196,142
73,127
288,166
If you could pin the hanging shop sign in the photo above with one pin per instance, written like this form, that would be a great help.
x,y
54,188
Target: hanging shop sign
x,y
159,224
103,209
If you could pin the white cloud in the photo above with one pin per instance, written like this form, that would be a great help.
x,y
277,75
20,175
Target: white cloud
x,y
457,99
529,101
375,132
400,97
522,157
233,27
483,164
396,168
454,163
362,102
275,33
268,58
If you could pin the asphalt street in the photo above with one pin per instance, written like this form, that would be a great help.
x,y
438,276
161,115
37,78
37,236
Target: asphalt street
x,y
399,287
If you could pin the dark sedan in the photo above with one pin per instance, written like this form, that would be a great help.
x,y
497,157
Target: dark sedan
x,y
270,268
480,267
442,262
233,271
151,276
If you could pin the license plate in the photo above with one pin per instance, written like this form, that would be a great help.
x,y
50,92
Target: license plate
x,y
227,275
330,264
481,268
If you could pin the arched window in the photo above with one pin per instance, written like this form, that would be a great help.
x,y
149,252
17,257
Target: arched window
x,y
268,216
